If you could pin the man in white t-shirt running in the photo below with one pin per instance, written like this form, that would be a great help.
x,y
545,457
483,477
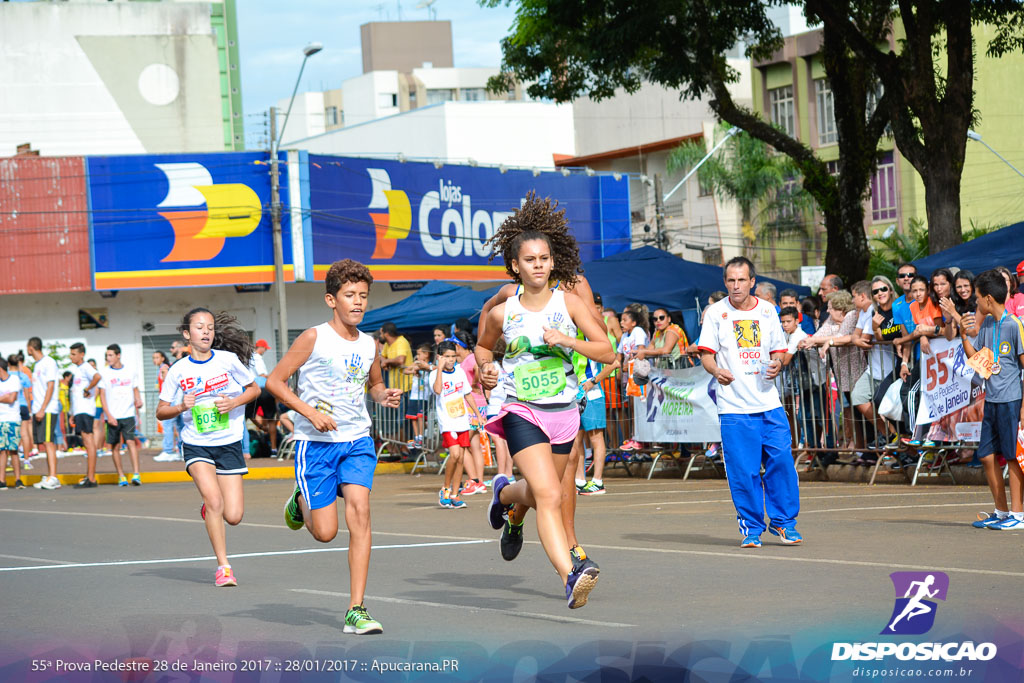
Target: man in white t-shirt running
x,y
742,345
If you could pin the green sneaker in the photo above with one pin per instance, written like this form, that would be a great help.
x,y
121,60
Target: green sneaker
x,y
293,511
592,489
359,621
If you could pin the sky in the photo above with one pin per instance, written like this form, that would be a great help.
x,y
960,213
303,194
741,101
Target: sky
x,y
271,36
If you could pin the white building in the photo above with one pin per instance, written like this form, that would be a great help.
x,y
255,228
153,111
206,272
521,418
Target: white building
x,y
94,77
523,134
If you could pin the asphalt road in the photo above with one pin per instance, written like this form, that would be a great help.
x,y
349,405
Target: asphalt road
x,y
111,574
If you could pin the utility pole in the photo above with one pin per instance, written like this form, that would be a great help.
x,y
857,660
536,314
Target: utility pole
x,y
275,217
661,240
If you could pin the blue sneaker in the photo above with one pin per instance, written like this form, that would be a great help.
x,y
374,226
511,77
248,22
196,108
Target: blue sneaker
x,y
444,497
496,512
751,541
788,536
579,585
984,522
1010,523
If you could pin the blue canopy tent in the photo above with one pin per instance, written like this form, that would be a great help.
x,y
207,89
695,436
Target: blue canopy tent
x,y
657,278
436,302
1003,247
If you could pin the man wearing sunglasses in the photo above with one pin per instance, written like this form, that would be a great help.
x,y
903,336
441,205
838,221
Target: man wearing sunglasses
x,y
901,314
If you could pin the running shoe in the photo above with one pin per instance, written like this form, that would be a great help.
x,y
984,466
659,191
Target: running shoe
x,y
457,503
359,621
511,540
166,456
985,521
418,439
19,484
136,481
293,511
473,487
751,541
3,486
788,536
629,445
579,585
580,487
712,452
496,512
1009,523
579,558
48,483
122,480
444,497
86,483
592,489
225,577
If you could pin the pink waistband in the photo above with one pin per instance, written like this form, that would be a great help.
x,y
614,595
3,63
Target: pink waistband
x,y
560,427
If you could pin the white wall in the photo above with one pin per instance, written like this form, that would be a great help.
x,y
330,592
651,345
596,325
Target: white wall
x,y
512,133
73,82
361,96
307,117
454,78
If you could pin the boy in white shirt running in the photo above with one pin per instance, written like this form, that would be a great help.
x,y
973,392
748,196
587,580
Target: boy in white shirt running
x,y
334,454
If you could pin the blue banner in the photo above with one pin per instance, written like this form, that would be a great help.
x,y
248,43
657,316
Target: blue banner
x,y
418,221
179,220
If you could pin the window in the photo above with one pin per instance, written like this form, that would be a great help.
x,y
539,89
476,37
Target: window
x,y
787,210
439,95
387,100
883,190
833,168
702,189
873,97
331,116
781,102
474,94
826,113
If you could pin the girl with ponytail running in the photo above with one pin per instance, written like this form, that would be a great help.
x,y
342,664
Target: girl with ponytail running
x,y
209,389
539,418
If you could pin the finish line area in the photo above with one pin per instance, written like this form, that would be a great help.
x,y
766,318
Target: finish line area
x,y
127,574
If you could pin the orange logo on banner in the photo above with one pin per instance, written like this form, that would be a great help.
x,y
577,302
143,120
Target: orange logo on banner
x,y
393,225
231,210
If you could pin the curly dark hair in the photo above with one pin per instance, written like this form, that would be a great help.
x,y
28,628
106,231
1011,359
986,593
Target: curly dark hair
x,y
228,335
346,270
539,220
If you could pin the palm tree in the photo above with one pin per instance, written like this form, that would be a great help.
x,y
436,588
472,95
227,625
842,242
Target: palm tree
x,y
763,184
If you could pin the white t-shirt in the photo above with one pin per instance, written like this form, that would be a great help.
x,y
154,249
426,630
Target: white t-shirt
x,y
792,340
45,371
632,341
220,375
119,386
743,342
81,376
10,412
881,357
452,413
257,364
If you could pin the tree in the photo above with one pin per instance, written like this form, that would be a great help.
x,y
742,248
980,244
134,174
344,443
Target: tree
x,y
930,108
747,172
571,48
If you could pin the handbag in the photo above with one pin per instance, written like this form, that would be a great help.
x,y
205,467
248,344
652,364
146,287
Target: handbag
x,y
891,405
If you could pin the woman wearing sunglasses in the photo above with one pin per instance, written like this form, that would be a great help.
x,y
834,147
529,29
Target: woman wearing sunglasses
x,y
881,331
669,340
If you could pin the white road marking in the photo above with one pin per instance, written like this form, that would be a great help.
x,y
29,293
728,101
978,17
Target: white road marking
x,y
470,608
803,498
271,553
35,559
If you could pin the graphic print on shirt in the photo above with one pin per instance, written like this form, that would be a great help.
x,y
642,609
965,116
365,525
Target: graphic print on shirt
x,y
748,333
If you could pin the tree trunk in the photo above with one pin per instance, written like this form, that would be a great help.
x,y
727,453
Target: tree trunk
x,y
942,202
847,252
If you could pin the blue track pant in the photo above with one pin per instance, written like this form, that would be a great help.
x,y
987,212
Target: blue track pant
x,y
748,442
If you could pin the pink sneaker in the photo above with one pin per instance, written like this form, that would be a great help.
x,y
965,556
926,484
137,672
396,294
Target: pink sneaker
x,y
225,577
473,487
629,445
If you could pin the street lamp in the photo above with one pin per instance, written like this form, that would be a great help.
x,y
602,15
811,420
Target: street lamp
x,y
971,135
732,131
275,205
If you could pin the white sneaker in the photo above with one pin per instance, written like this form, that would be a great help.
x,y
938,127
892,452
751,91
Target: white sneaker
x,y
1010,523
166,456
48,483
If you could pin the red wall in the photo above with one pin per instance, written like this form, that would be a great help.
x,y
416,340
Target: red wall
x,y
44,225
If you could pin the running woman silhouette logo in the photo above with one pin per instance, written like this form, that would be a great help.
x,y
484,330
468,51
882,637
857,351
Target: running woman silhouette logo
x,y
914,611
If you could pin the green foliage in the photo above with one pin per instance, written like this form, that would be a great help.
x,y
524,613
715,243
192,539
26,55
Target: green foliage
x,y
58,352
761,182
